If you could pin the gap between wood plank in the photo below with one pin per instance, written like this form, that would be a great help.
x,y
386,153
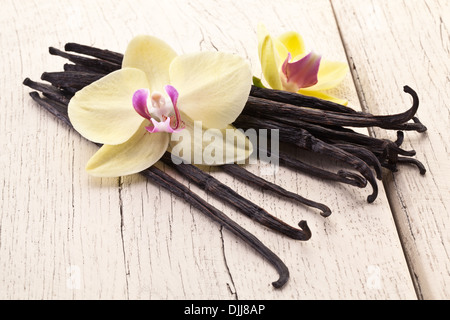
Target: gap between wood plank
x,y
386,185
122,225
235,294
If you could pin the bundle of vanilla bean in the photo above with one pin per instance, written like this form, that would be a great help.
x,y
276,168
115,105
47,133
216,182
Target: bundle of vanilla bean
x,y
308,123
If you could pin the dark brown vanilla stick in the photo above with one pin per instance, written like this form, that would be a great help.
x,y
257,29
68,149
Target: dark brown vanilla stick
x,y
113,57
80,68
58,109
92,65
49,91
365,155
299,100
169,183
166,181
98,65
261,107
335,133
342,176
240,173
69,79
415,162
115,60
225,193
196,175
303,139
358,119
370,149
381,148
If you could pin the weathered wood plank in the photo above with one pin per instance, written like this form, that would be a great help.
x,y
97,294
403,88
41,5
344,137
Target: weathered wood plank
x,y
390,44
127,238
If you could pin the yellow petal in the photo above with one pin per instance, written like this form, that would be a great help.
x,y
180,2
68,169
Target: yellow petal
x,y
151,55
199,145
331,74
103,111
323,96
141,151
213,87
270,58
294,43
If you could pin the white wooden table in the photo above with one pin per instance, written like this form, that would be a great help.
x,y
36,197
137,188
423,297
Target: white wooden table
x,y
66,235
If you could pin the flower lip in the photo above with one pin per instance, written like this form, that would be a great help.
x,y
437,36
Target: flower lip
x,y
140,98
302,73
164,116
173,94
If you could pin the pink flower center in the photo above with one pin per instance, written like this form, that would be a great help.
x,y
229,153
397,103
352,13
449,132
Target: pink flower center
x,y
162,113
300,74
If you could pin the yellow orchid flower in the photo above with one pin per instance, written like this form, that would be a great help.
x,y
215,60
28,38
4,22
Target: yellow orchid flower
x,y
128,112
287,66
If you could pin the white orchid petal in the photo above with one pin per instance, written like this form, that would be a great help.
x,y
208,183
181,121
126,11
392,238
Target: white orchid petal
x,y
199,145
151,55
103,111
213,86
141,151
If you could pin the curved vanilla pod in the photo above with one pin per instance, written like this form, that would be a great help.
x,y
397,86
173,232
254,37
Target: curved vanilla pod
x,y
70,79
225,193
273,110
98,65
240,173
364,154
166,181
304,140
108,61
169,183
298,100
336,134
49,91
343,176
110,56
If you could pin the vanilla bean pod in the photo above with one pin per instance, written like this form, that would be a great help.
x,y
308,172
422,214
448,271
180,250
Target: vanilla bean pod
x,y
80,68
342,176
304,140
372,150
192,198
81,79
299,100
197,176
166,181
110,61
240,173
340,116
364,154
70,79
49,91
417,163
296,99
56,108
336,115
344,135
98,65
110,56
273,110
228,195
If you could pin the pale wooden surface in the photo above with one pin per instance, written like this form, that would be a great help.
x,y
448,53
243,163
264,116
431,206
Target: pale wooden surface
x,y
65,235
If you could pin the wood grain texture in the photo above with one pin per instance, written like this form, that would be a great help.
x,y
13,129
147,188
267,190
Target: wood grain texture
x,y
64,234
390,44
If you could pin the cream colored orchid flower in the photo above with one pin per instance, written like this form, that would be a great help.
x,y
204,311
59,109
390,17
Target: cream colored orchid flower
x,y
134,111
287,66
